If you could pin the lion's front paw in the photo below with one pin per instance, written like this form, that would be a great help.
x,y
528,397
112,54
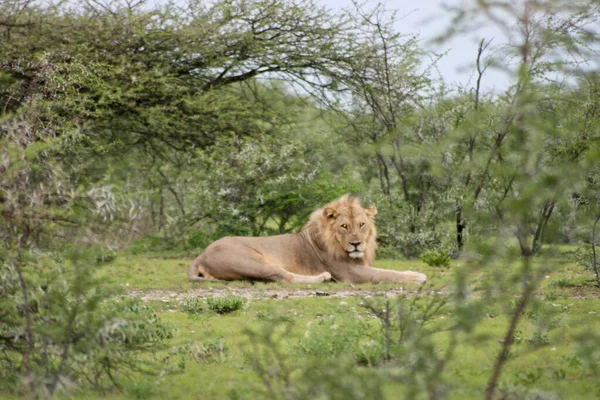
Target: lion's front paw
x,y
419,277
326,276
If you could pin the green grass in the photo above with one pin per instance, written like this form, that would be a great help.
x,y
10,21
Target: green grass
x,y
543,362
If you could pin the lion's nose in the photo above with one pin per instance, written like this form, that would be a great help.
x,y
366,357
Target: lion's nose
x,y
355,244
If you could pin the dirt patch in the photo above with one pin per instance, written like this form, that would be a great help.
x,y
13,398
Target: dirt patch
x,y
253,294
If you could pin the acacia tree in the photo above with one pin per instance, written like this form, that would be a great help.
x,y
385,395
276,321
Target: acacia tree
x,y
83,86
378,111
517,177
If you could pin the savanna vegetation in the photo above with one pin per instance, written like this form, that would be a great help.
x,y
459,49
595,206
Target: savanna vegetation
x,y
134,133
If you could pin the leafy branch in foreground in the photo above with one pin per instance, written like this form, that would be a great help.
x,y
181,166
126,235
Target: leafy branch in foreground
x,y
281,375
64,329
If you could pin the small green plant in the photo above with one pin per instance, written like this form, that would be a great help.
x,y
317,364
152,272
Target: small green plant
x,y
370,353
562,283
539,339
212,351
219,305
572,361
436,258
551,295
518,336
224,305
275,318
531,376
104,254
193,306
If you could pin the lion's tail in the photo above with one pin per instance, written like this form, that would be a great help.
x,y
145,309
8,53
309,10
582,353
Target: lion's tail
x,y
195,272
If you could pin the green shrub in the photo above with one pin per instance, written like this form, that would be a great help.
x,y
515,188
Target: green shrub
x,y
104,254
224,305
218,305
582,256
154,243
200,239
436,258
193,305
539,339
60,303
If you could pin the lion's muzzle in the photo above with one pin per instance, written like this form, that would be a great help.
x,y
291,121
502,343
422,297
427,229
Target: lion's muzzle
x,y
357,250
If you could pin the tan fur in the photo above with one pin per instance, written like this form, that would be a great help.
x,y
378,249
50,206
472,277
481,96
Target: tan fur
x,y
338,242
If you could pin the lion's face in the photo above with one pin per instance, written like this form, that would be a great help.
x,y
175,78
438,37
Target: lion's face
x,y
351,228
348,230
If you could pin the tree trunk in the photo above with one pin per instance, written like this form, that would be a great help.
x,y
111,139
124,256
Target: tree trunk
x,y
545,215
460,227
594,257
384,175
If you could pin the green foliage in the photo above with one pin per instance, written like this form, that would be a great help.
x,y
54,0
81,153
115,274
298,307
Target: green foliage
x,y
582,256
562,283
167,127
213,350
282,375
62,324
193,306
225,304
436,258
267,186
395,235
142,389
153,243
332,338
217,305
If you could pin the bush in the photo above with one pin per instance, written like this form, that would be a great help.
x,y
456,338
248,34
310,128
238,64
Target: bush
x,y
89,334
582,256
104,254
224,305
200,239
193,306
154,243
218,305
436,258
282,374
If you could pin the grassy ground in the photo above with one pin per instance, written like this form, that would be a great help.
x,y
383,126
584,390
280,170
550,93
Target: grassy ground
x,y
544,363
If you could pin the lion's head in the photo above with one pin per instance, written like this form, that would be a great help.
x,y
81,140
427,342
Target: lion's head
x,y
346,229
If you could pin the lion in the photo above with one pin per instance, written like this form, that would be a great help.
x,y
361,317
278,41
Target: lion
x,y
337,243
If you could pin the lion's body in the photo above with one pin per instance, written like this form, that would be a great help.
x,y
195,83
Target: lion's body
x,y
338,242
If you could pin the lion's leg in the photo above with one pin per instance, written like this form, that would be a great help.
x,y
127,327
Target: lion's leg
x,y
236,265
323,277
377,275
253,270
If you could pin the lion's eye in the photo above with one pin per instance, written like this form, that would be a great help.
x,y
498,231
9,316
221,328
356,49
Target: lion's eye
x,y
344,226
362,224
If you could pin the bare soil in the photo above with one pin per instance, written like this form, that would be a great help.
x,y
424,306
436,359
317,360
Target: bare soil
x,y
256,294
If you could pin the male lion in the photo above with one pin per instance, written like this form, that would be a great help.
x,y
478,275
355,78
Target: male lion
x,y
338,242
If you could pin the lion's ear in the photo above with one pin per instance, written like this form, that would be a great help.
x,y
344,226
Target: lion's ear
x,y
371,211
330,212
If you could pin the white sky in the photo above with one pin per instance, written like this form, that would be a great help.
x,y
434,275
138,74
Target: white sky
x,y
429,19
